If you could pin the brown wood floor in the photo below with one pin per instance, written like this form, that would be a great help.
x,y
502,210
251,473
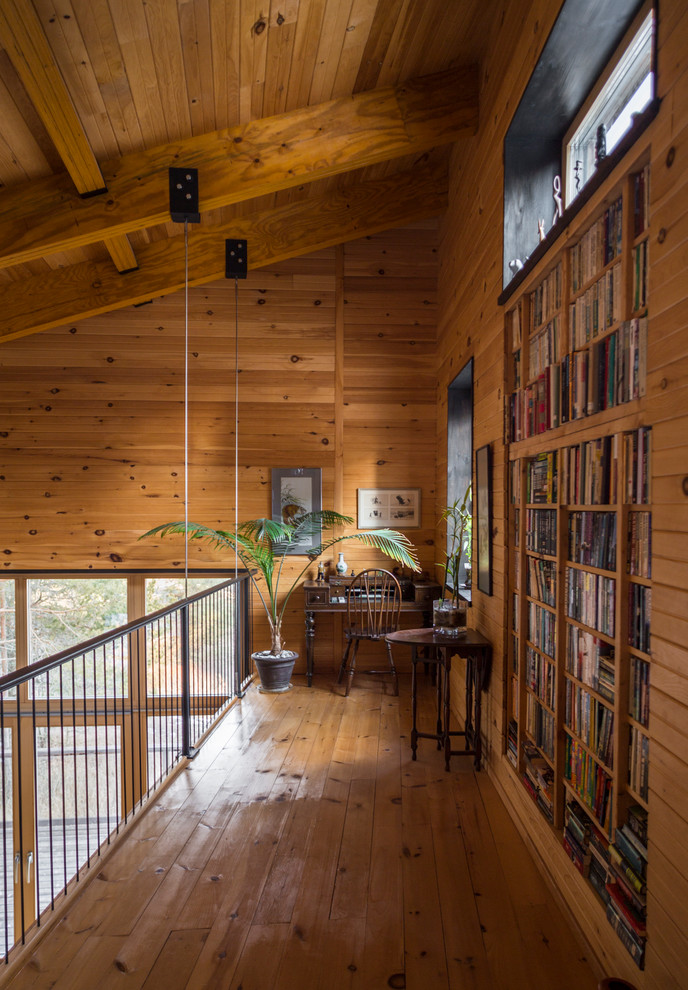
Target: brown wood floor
x,y
302,849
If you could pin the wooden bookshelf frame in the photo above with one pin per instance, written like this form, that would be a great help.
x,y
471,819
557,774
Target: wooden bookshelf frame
x,y
625,418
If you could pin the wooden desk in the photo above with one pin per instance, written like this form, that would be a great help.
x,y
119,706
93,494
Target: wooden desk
x,y
440,648
330,598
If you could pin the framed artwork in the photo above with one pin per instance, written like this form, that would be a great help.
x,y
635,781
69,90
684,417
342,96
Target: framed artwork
x,y
296,491
393,508
483,514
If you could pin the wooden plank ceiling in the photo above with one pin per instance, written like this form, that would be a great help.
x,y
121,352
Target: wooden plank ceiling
x,y
310,122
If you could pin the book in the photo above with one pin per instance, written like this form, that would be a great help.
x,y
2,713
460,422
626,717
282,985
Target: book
x,y
633,942
637,820
633,918
630,853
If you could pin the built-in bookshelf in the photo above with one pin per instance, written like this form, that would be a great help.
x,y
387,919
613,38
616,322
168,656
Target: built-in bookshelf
x,y
580,551
585,346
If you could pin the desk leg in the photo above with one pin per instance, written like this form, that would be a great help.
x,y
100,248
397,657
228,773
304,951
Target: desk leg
x,y
470,684
414,730
442,724
445,674
310,639
477,741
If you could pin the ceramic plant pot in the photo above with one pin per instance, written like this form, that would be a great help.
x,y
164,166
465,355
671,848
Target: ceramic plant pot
x,y
274,672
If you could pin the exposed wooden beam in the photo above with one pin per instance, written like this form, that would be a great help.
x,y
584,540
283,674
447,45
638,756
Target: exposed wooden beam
x,y
22,37
71,294
243,162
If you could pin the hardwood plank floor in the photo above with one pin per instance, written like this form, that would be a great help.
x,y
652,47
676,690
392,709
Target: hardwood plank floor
x,y
303,848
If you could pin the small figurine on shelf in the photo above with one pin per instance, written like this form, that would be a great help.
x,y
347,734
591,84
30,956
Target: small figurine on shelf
x,y
556,196
321,572
600,145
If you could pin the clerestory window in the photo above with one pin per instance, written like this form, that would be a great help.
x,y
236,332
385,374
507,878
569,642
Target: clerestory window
x,y
626,91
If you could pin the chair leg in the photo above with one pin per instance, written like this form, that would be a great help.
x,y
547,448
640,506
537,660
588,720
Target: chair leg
x,y
342,666
392,667
352,667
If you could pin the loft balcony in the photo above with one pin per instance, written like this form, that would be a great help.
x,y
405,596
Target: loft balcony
x,y
188,831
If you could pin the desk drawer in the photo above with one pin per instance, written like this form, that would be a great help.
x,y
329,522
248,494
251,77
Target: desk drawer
x,y
317,596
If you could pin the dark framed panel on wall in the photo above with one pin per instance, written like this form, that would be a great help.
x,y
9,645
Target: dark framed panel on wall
x,y
483,514
460,459
295,492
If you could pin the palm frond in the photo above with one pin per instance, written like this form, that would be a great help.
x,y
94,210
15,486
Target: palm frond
x,y
392,543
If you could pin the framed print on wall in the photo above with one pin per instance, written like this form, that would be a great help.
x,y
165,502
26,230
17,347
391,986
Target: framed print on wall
x,y
393,508
296,491
483,513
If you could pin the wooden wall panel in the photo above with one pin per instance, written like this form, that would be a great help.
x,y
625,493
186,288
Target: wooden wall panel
x,y
91,441
470,323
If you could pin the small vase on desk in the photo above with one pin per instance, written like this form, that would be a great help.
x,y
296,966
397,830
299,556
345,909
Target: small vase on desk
x,y
341,565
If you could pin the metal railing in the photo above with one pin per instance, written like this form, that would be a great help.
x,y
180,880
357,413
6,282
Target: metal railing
x,y
88,734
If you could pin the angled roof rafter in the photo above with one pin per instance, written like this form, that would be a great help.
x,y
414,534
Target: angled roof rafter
x,y
70,294
46,216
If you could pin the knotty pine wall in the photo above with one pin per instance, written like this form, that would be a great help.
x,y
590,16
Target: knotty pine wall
x,y
470,323
337,371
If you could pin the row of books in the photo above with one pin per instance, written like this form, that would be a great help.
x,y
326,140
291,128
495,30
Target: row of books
x,y
608,373
639,690
512,741
541,531
637,467
591,721
516,368
575,850
544,348
591,599
639,559
616,870
545,299
626,890
641,201
639,608
589,780
619,887
541,478
541,677
538,777
591,660
589,472
641,267
540,726
638,762
592,539
542,628
542,580
600,244
596,309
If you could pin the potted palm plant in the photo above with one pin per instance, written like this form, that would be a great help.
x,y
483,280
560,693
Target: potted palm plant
x,y
262,545
449,612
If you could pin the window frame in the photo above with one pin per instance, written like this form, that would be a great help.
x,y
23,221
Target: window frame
x,y
646,12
